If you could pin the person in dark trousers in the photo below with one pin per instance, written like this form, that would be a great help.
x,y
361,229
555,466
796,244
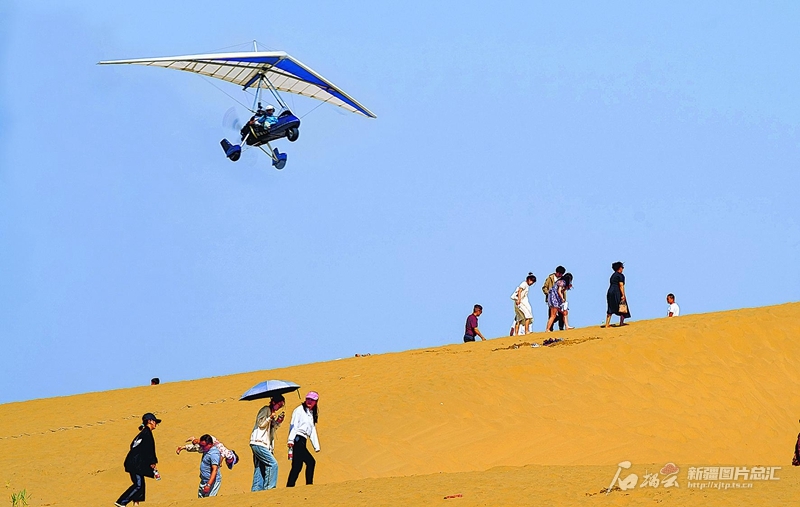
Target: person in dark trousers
x,y
141,461
471,328
302,429
546,286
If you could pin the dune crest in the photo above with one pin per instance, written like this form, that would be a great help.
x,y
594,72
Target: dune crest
x,y
699,389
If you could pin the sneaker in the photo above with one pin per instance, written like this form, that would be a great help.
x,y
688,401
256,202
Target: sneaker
x,y
118,504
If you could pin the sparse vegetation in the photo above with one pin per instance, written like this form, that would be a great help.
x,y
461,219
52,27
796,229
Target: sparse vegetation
x,y
20,499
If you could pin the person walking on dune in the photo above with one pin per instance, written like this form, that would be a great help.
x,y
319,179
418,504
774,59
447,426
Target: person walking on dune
x,y
302,429
615,296
141,461
546,286
262,442
557,301
523,315
471,329
210,471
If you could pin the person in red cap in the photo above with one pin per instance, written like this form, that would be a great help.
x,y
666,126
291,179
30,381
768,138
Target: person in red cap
x,y
141,461
302,429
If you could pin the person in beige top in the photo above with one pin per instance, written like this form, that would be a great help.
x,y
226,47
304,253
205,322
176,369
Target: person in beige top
x,y
262,442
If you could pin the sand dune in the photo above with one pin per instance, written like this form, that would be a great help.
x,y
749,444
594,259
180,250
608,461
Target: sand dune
x,y
498,422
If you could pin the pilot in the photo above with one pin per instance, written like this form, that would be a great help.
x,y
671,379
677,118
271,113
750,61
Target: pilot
x,y
266,117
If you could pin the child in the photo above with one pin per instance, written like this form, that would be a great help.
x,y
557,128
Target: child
x,y
673,310
193,445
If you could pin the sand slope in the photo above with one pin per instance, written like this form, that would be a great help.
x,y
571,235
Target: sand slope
x,y
699,390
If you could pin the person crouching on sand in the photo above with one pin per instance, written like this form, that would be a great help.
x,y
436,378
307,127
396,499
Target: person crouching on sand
x,y
302,429
141,461
262,442
471,328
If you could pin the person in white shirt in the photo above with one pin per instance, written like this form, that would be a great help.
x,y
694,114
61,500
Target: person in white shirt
x,y
302,429
673,310
523,315
262,442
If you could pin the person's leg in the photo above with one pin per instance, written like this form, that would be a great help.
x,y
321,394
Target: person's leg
x,y
560,320
608,320
468,338
565,316
132,493
551,320
271,481
311,463
297,460
259,469
216,486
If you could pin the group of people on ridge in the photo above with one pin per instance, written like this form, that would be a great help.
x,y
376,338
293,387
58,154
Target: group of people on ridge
x,y
555,288
141,460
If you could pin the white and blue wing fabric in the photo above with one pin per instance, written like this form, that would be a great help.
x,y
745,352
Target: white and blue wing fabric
x,y
258,69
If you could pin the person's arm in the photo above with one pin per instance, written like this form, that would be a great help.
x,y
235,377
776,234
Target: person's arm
x,y
211,479
314,438
622,290
293,426
263,417
669,314
519,295
478,332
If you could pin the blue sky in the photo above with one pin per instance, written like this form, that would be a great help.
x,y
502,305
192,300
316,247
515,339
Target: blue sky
x,y
511,137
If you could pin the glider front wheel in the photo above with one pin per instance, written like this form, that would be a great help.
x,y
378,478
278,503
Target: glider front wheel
x,y
292,134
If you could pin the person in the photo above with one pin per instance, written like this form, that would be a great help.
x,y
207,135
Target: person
x,y
141,461
193,445
155,381
210,473
303,428
266,117
523,315
557,301
796,457
471,329
546,286
616,295
262,442
673,310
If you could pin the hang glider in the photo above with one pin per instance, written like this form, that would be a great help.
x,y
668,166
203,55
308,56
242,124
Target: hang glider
x,y
256,69
275,71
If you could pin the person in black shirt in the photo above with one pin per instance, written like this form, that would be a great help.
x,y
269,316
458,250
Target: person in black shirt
x,y
141,461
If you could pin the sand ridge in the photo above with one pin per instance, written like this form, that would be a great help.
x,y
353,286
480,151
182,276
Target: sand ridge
x,y
698,389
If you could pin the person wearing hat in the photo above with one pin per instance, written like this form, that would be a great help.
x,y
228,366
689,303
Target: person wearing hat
x,y
141,461
266,117
302,429
262,442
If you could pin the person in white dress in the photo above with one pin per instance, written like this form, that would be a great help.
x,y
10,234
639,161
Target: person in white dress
x,y
523,315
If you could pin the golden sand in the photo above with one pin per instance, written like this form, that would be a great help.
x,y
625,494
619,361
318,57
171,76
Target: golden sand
x,y
497,422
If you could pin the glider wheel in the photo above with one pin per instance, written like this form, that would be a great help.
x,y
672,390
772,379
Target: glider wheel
x,y
292,134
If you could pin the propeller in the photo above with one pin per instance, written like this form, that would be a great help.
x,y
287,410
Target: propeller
x,y
232,127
